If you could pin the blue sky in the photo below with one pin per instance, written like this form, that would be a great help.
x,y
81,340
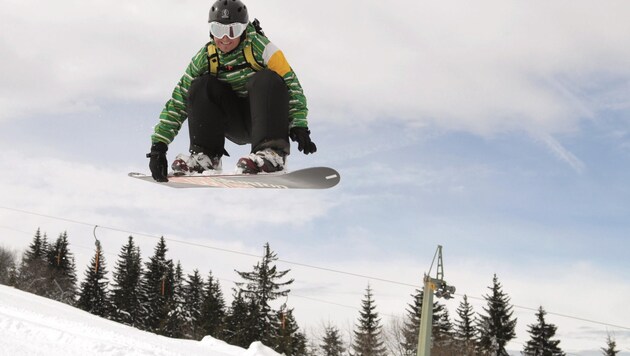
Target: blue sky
x,y
496,130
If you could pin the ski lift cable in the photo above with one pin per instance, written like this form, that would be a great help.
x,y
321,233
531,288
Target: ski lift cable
x,y
352,274
217,248
553,313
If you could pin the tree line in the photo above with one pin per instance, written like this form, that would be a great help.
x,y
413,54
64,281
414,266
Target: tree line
x,y
156,296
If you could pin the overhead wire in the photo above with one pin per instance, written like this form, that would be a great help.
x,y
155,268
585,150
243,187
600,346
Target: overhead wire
x,y
555,314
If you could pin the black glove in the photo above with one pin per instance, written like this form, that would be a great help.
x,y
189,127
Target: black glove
x,y
158,163
302,135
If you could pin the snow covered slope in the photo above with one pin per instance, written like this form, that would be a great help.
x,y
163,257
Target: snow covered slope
x,y
32,325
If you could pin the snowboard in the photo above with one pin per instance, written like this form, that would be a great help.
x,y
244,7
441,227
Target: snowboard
x,y
308,178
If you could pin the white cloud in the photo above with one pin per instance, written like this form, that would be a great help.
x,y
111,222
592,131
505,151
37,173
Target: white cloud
x,y
562,153
69,55
486,67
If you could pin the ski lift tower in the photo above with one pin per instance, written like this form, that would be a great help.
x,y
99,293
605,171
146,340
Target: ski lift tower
x,y
432,286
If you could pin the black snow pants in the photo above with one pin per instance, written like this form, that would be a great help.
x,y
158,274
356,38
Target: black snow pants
x,y
215,112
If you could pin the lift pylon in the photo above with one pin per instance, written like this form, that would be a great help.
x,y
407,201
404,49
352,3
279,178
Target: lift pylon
x,y
441,289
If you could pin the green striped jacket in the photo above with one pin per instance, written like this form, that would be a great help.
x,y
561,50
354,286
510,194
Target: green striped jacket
x,y
265,52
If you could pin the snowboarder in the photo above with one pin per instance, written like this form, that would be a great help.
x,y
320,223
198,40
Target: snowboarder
x,y
238,86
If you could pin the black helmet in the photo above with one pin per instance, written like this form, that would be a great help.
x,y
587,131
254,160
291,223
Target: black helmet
x,y
228,11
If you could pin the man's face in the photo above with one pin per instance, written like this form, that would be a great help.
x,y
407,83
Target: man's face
x,y
226,44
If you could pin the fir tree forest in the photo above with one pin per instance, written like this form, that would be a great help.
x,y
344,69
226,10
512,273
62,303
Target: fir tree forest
x,y
153,294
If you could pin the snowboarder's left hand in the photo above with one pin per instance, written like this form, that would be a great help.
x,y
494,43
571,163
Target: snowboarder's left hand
x,y
302,135
158,163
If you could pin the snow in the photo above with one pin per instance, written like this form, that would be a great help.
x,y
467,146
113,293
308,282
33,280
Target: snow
x,y
33,325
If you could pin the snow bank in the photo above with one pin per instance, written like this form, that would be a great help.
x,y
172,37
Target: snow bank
x,y
32,325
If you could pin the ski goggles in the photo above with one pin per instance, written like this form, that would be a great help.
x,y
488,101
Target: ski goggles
x,y
232,30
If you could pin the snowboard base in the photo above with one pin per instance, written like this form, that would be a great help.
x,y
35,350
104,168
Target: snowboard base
x,y
308,178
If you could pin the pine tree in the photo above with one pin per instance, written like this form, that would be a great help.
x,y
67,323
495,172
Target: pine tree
x,y
288,340
157,288
37,248
541,343
7,267
13,275
33,269
465,332
126,294
443,338
611,347
193,306
368,338
176,319
93,296
332,343
261,287
239,323
411,327
213,309
61,271
496,327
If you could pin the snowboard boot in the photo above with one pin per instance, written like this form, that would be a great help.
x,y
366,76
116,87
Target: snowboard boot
x,y
195,163
267,161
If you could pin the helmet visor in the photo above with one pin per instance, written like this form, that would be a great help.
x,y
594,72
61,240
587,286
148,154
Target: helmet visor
x,y
232,30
